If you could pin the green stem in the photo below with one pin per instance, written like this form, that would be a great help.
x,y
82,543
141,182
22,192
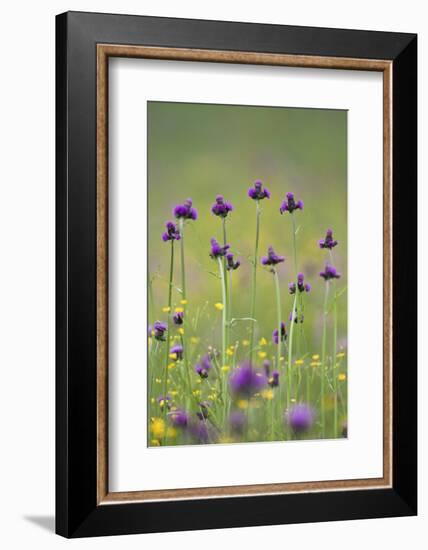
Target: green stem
x,y
223,290
254,281
226,277
323,357
183,271
290,349
334,373
168,332
294,247
278,311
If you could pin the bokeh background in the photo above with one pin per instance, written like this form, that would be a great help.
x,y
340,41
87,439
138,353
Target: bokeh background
x,y
199,151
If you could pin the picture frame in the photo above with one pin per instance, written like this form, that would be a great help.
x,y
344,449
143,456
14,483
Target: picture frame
x,y
84,44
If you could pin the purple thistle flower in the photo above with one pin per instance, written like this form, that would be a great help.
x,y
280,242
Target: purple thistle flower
x,y
301,285
221,207
178,418
296,318
274,379
201,431
237,421
245,381
172,233
290,205
328,241
231,265
272,258
204,410
329,272
217,250
150,331
258,192
185,211
177,350
164,400
178,318
203,367
266,367
159,330
300,417
283,334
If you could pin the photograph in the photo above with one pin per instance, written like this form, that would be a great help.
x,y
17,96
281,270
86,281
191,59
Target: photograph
x,y
247,274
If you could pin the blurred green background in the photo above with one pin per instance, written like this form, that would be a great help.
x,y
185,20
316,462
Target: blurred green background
x,y
199,151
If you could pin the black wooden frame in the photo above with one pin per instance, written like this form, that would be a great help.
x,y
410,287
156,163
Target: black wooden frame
x,y
77,512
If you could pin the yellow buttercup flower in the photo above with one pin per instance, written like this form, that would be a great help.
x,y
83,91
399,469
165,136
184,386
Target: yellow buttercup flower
x,y
219,306
166,309
341,376
179,310
225,368
229,352
181,331
245,343
196,393
263,342
315,364
194,339
171,366
267,394
183,302
243,404
262,354
158,427
315,357
340,355
299,362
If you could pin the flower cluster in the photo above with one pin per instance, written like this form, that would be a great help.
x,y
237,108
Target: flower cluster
x,y
245,381
230,263
172,233
329,272
176,352
218,251
283,334
328,241
221,207
178,318
301,285
258,192
203,367
159,330
185,211
300,417
290,205
272,258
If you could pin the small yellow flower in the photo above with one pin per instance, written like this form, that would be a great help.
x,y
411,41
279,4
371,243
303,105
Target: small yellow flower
x,y
341,376
179,310
243,404
183,302
262,354
340,355
315,364
199,381
219,306
153,332
171,366
152,400
225,368
267,394
229,352
196,393
194,339
158,427
171,432
299,362
166,309
155,443
173,356
263,342
293,400
181,331
315,357
158,381
174,393
245,343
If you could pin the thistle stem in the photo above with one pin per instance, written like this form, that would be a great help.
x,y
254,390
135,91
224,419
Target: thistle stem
x,y
168,331
278,311
223,290
226,277
254,281
183,271
334,354
290,350
323,357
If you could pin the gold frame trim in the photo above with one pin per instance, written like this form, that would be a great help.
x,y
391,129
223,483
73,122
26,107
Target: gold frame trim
x,y
104,51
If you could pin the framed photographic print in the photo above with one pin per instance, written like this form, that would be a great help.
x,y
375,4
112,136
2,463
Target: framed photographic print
x,y
236,264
